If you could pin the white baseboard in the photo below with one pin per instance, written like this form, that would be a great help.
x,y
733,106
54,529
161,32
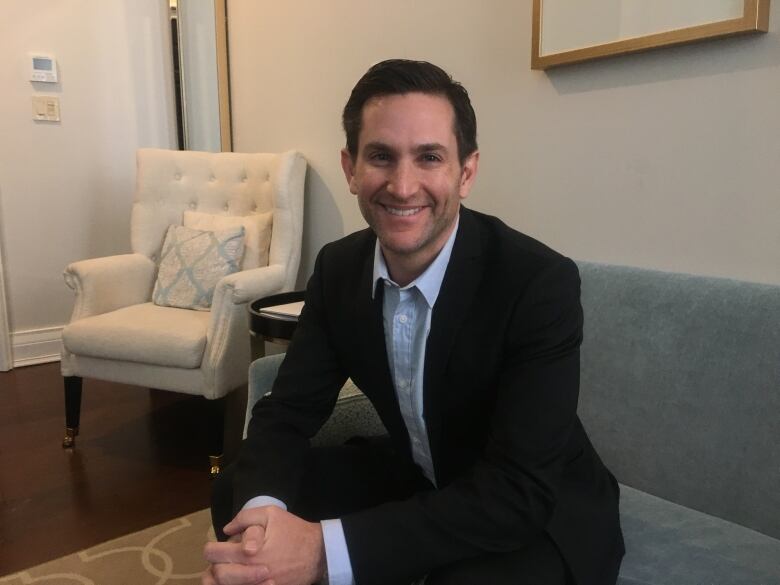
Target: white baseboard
x,y
37,346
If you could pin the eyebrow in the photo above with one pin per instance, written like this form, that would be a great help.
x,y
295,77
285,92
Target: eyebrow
x,y
430,146
427,147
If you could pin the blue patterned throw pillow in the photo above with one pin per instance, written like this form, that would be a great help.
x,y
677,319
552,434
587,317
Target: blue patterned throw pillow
x,y
192,263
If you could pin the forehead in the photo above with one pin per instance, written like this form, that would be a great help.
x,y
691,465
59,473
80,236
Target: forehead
x,y
416,117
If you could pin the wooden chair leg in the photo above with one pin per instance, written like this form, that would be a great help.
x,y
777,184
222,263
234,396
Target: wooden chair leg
x,y
72,410
216,434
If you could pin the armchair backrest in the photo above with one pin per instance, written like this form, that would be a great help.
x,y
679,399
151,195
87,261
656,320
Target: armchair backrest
x,y
170,182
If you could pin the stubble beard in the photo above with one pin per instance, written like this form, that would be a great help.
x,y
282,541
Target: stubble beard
x,y
431,233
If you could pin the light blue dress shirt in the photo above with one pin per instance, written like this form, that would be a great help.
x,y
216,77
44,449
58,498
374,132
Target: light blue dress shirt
x,y
407,322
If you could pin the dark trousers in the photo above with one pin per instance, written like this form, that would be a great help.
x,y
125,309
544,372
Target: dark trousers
x,y
367,472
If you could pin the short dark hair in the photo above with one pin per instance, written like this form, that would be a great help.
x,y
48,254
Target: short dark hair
x,y
401,76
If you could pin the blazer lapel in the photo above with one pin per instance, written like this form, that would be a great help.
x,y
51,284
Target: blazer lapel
x,y
458,290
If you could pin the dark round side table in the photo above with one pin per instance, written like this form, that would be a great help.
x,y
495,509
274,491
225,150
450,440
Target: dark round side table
x,y
265,327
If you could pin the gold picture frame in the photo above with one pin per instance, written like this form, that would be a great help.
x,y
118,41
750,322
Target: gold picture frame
x,y
755,18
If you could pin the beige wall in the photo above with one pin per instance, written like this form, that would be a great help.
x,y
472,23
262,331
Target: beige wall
x,y
665,160
66,188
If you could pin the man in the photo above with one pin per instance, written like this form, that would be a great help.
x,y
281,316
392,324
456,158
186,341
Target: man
x,y
465,336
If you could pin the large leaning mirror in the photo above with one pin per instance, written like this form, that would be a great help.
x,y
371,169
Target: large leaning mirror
x,y
200,71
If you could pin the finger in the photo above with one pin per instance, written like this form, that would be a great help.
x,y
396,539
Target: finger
x,y
224,552
207,578
246,518
252,539
238,574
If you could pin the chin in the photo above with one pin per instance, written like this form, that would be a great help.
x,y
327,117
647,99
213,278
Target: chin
x,y
401,247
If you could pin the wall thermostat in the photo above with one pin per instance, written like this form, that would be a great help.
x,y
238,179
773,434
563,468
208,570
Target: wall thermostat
x,y
44,69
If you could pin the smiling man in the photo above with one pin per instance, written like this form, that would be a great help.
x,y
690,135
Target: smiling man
x,y
465,336
409,178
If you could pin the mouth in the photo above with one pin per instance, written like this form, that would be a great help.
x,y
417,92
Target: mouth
x,y
402,211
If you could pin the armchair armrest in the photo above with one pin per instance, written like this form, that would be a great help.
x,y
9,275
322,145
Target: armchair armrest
x,y
109,283
247,285
227,342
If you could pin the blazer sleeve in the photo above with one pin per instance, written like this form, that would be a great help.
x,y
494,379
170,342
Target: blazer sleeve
x,y
302,399
508,496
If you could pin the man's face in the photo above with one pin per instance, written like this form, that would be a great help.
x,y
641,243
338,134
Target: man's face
x,y
407,176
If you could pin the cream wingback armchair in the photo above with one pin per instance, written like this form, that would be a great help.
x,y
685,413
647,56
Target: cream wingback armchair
x,y
118,334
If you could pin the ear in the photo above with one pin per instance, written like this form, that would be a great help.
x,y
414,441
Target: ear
x,y
348,166
468,173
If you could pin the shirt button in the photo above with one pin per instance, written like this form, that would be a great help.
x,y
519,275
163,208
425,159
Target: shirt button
x,y
402,318
403,383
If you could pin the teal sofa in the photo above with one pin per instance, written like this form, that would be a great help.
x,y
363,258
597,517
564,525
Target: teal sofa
x,y
680,393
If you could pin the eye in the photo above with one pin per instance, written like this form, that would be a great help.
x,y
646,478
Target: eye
x,y
379,156
431,157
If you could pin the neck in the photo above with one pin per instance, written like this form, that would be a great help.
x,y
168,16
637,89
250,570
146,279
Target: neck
x,y
404,268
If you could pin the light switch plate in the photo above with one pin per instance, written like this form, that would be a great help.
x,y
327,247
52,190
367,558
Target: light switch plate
x,y
46,108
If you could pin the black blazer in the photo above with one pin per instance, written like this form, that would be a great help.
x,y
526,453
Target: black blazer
x,y
501,383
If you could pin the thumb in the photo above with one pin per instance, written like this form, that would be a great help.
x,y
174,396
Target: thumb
x,y
252,539
246,518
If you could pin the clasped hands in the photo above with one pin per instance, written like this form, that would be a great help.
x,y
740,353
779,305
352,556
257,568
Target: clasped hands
x,y
266,546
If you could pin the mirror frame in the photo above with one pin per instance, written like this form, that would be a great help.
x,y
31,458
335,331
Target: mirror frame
x,y
755,18
223,76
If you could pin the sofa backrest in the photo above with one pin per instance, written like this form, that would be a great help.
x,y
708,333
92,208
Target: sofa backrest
x,y
680,388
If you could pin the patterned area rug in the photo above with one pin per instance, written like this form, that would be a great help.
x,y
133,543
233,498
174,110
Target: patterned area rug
x,y
167,553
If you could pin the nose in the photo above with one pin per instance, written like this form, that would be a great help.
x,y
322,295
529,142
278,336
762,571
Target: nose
x,y
403,182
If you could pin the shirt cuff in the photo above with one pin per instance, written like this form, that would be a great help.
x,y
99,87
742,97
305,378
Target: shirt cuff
x,y
336,553
259,501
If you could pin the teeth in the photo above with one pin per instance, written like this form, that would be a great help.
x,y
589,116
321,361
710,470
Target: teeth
x,y
402,212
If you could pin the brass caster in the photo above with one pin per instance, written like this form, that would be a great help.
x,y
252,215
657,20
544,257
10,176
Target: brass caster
x,y
216,465
69,442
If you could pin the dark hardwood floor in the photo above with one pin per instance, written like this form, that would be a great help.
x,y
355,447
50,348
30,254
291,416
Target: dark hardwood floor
x,y
141,459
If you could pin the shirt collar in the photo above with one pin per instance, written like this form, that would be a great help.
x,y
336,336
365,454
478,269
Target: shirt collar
x,y
429,282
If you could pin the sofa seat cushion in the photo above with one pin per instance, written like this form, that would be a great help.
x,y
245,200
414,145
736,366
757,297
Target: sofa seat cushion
x,y
669,544
353,416
146,333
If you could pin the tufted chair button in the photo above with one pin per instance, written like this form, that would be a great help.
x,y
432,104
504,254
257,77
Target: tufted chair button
x,y
243,179
177,176
212,178
193,205
267,177
225,207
